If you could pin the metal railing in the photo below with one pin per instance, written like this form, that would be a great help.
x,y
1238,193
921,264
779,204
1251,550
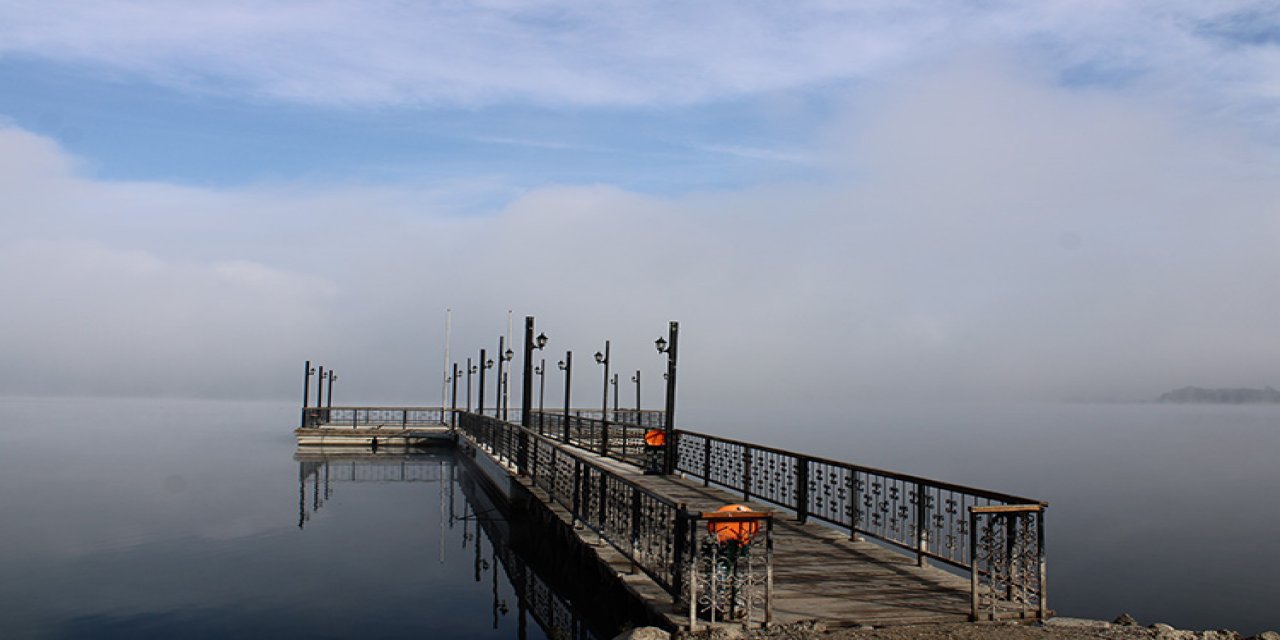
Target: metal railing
x,y
657,535
369,417
926,518
618,440
1008,576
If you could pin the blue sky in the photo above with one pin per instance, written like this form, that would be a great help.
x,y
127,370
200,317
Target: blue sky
x,y
922,187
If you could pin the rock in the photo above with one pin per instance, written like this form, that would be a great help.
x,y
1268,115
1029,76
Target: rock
x,y
1161,627
1079,623
643,633
1221,634
1266,635
1125,620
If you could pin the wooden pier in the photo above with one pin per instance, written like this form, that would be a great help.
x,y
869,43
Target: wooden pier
x,y
846,545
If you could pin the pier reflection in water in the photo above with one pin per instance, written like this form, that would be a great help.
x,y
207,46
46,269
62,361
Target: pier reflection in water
x,y
473,524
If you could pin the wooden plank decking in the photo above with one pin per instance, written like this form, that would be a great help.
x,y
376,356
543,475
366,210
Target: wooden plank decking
x,y
820,574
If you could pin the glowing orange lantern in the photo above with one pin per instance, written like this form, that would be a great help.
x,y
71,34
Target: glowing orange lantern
x,y
655,437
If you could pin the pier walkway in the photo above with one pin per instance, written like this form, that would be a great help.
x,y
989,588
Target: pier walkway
x,y
829,541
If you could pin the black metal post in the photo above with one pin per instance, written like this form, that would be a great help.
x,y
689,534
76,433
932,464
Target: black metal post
x,y
604,402
320,387
615,396
568,379
499,406
480,404
328,403
526,396
470,370
542,384
306,390
636,379
453,415
673,336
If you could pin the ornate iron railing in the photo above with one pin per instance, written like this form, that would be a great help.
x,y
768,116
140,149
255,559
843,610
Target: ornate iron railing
x,y
658,535
618,440
731,572
1007,557
357,417
927,518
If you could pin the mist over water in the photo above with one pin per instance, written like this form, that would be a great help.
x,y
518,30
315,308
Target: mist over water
x,y
128,517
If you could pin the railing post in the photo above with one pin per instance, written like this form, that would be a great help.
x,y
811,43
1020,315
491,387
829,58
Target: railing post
x,y
706,461
746,472
974,568
922,522
577,490
679,556
802,489
635,527
603,500
1044,588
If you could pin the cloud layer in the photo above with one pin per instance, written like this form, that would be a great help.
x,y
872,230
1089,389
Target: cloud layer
x,y
554,52
981,232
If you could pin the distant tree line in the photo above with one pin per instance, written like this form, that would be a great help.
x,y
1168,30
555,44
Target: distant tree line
x,y
1222,396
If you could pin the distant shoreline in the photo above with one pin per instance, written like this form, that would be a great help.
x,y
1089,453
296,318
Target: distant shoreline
x,y
1201,395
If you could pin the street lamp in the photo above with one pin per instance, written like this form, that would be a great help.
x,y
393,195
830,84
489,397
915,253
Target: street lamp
x,y
320,387
603,359
526,389
471,368
541,372
307,371
615,396
636,379
566,366
328,402
453,415
668,347
484,364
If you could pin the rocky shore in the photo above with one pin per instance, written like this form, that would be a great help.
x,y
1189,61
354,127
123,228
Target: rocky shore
x,y
1122,628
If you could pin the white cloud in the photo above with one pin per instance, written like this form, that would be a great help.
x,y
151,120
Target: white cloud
x,y
554,52
983,231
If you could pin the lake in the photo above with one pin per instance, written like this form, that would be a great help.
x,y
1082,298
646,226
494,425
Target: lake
x,y
137,518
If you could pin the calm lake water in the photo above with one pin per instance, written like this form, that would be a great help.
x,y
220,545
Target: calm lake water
x,y
158,518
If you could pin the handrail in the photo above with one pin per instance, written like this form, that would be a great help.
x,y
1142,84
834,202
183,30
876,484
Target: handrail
x,y
644,526
927,518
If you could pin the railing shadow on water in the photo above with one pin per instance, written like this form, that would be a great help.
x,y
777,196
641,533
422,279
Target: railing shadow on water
x,y
544,592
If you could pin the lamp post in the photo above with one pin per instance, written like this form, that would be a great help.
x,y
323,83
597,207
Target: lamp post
x,y
542,383
484,364
506,382
615,396
453,415
603,358
306,390
471,368
526,389
668,347
333,377
320,387
566,366
636,379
